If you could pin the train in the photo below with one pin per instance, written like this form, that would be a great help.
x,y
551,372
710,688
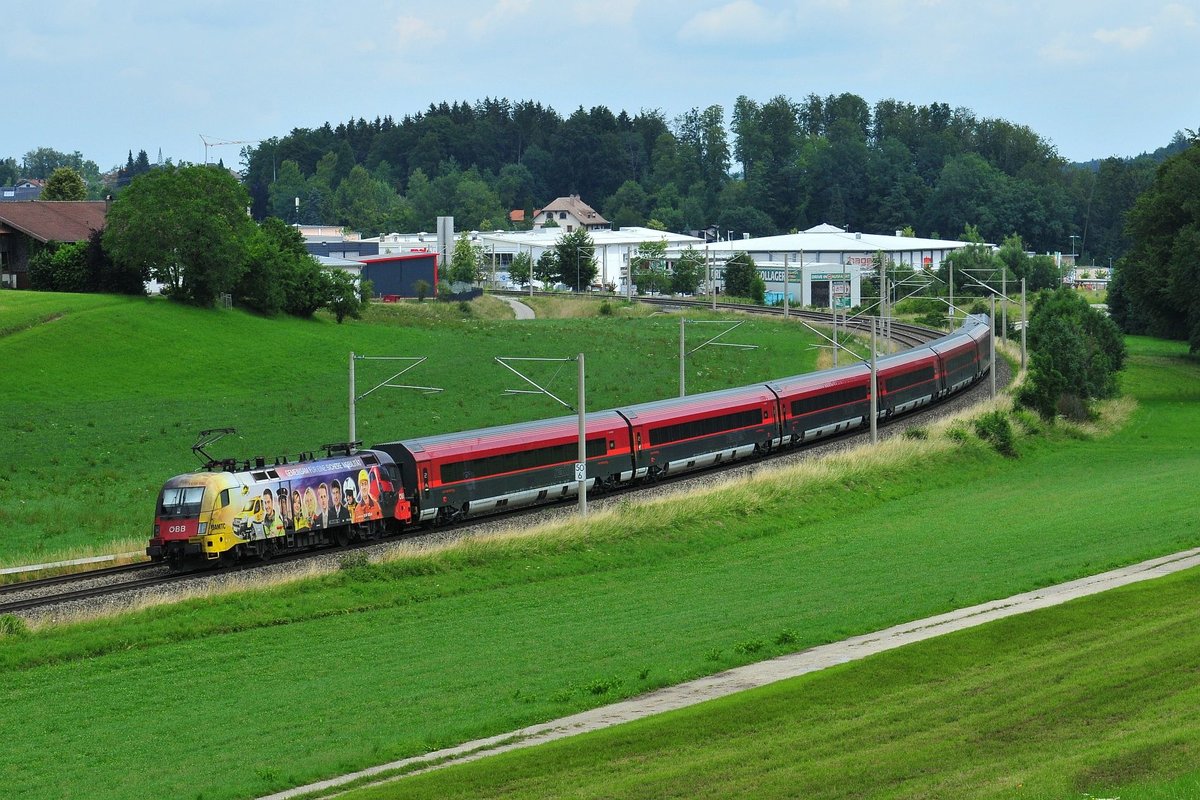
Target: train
x,y
229,512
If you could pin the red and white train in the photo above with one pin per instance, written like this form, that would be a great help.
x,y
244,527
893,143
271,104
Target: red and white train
x,y
226,513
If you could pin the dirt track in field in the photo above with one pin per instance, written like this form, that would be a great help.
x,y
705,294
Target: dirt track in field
x,y
754,675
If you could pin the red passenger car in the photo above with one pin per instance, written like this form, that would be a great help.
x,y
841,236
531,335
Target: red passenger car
x,y
456,474
701,430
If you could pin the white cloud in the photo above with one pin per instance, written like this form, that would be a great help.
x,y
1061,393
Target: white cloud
x,y
1177,16
1124,38
504,11
614,11
1063,50
415,32
741,20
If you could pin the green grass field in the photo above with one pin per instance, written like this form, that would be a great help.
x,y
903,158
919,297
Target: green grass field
x,y
238,695
1097,698
104,395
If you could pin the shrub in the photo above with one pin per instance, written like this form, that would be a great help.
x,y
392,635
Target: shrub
x,y
995,429
933,319
354,560
12,625
916,433
602,685
606,309
1075,353
921,305
957,433
749,647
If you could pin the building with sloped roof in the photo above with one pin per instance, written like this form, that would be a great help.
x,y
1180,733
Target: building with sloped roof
x,y
570,214
24,227
30,189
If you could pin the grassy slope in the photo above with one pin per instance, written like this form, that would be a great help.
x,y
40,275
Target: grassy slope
x,y
1096,698
104,395
372,664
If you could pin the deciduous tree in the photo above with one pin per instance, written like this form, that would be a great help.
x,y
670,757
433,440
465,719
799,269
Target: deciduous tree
x,y
1161,275
1075,354
575,255
65,184
187,226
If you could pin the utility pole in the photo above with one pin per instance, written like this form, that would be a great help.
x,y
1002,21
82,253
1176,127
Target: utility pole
x,y
992,364
1024,324
874,389
786,287
581,465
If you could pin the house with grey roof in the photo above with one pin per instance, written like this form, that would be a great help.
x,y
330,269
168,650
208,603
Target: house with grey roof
x,y
23,190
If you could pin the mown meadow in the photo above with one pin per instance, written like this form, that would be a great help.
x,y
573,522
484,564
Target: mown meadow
x,y
104,396
234,696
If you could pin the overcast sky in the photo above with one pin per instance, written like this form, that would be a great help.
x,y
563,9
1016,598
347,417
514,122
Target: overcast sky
x,y
1094,77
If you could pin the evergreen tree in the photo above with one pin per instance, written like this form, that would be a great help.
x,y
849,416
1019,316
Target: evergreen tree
x,y
742,279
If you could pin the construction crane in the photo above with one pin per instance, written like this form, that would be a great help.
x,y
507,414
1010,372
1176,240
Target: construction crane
x,y
212,141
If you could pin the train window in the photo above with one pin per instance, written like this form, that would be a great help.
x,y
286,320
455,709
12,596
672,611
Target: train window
x,y
820,402
910,379
960,361
705,427
181,502
522,459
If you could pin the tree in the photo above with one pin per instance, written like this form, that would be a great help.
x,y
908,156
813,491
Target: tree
x,y
187,226
575,255
59,268
743,280
65,184
344,298
465,261
546,268
365,203
1161,274
688,272
286,189
649,265
520,268
9,171
1075,354
277,275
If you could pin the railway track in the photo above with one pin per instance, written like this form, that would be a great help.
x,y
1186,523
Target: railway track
x,y
39,594
902,333
19,587
86,593
64,589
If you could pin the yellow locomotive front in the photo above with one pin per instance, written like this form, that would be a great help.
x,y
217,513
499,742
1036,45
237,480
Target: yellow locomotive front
x,y
199,518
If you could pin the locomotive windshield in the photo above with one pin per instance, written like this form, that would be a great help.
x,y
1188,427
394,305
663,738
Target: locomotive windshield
x,y
181,502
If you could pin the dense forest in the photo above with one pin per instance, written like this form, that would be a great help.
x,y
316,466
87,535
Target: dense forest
x,y
778,166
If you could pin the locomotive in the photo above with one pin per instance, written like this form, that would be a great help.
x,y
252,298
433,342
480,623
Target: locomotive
x,y
228,512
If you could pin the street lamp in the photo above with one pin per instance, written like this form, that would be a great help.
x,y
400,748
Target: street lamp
x,y
1074,236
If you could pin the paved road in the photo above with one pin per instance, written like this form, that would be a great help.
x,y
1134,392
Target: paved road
x,y
752,676
522,311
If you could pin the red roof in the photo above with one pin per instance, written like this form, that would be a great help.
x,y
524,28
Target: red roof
x,y
54,220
